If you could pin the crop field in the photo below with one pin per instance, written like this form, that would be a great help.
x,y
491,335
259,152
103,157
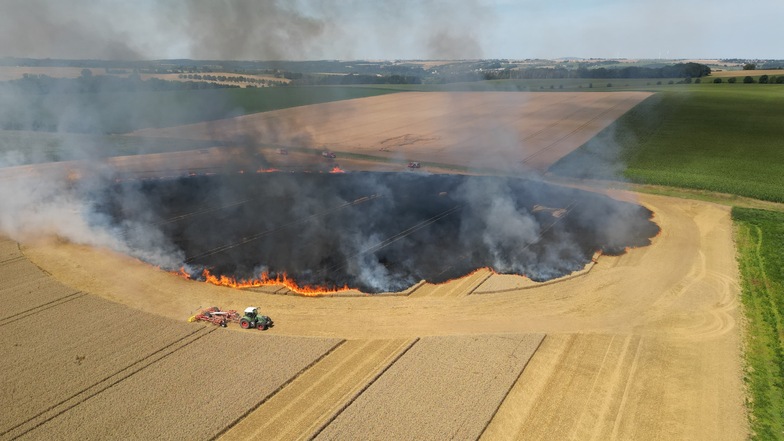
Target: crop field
x,y
465,378
725,139
514,130
227,373
596,356
760,238
67,361
314,398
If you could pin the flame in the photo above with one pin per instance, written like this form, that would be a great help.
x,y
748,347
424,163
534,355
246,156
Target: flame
x,y
265,280
267,170
337,169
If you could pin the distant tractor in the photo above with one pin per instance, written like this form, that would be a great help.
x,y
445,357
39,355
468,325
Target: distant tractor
x,y
329,155
414,165
252,319
283,151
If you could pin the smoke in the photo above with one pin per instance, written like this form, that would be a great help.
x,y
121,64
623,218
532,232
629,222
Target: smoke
x,y
372,231
243,29
375,232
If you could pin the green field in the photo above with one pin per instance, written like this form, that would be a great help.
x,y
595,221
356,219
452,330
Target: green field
x,y
122,112
720,137
760,241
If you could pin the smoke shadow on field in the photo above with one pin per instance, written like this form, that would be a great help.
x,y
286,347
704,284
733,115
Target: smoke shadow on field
x,y
378,231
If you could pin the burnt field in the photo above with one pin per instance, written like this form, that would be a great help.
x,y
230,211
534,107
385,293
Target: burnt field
x,y
372,231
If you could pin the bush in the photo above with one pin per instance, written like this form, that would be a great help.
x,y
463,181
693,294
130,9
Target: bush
x,y
609,84
658,83
717,80
780,80
697,81
763,79
732,80
748,80
670,82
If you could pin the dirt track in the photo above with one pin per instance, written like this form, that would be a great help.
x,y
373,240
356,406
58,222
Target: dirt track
x,y
622,359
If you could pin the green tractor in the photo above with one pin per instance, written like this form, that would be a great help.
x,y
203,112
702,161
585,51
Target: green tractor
x,y
252,319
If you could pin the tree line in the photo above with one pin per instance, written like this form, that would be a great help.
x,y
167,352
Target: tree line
x,y
88,83
680,70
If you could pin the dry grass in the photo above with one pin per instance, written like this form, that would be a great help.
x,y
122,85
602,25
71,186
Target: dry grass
x,y
442,388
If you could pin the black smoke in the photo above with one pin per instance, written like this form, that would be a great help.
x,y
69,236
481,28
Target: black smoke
x,y
376,231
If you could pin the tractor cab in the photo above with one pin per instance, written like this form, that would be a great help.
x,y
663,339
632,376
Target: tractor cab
x,y
251,312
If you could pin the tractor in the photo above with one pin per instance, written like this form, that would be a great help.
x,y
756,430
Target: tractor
x,y
252,319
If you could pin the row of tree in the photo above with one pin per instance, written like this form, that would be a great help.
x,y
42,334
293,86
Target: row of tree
x,y
88,83
680,70
233,79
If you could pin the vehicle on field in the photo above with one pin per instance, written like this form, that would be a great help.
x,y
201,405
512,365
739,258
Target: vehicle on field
x,y
329,155
250,319
414,165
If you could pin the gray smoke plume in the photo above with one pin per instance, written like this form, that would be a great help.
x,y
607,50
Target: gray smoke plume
x,y
242,29
69,200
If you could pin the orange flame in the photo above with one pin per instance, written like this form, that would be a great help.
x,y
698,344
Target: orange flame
x,y
265,280
337,169
267,170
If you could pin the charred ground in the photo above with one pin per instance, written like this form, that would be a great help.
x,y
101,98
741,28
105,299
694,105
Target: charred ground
x,y
376,231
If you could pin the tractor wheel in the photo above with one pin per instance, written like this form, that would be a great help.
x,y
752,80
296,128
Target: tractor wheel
x,y
244,324
261,327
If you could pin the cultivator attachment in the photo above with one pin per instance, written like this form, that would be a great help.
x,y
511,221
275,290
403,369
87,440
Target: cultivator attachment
x,y
215,316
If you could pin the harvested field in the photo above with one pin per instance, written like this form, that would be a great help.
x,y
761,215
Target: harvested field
x,y
315,397
444,387
513,130
194,393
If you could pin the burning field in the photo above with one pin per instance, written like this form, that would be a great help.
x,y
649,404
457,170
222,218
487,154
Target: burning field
x,y
375,232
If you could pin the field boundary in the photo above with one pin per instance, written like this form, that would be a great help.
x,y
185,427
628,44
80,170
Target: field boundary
x,y
583,272
278,389
511,386
362,390
64,406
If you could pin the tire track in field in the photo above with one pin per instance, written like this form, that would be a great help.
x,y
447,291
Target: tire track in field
x,y
298,410
40,308
110,381
574,387
454,288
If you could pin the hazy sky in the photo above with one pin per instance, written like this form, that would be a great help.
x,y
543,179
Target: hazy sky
x,y
390,29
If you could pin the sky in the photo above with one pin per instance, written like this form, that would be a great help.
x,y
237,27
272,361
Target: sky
x,y
389,30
